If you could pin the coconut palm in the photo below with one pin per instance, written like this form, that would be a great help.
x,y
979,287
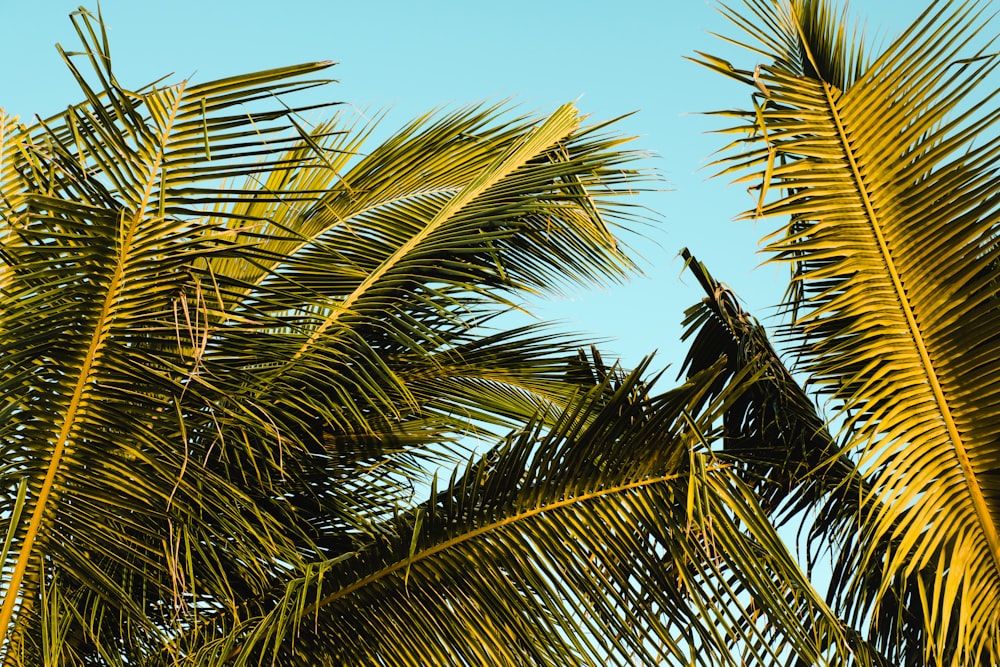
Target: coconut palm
x,y
880,168
257,407
256,410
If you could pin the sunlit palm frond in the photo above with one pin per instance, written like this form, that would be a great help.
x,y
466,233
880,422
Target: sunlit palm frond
x,y
97,374
419,244
885,165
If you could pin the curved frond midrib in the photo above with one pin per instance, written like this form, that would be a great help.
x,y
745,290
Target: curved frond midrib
x,y
562,121
293,250
455,541
78,398
488,528
975,490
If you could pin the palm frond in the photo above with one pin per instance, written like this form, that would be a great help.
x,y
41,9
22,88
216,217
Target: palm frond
x,y
601,539
96,388
885,167
772,431
233,343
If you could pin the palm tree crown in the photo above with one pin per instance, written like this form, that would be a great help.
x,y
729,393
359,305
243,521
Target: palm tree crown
x,y
256,407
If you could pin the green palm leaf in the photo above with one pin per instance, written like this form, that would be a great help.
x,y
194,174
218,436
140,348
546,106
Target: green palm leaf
x,y
598,540
232,344
885,167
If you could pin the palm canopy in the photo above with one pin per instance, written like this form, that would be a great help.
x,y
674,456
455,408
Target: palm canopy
x,y
882,169
229,341
234,346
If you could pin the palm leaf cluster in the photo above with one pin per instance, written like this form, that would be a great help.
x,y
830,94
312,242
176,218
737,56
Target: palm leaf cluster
x,y
256,405
226,335
881,168
237,347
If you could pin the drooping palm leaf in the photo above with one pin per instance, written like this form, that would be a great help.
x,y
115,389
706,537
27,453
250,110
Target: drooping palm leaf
x,y
408,262
772,429
600,540
208,385
885,166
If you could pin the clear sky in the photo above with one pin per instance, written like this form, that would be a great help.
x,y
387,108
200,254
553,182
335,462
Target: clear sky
x,y
613,58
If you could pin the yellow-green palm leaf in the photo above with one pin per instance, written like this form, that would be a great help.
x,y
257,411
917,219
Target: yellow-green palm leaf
x,y
231,345
884,166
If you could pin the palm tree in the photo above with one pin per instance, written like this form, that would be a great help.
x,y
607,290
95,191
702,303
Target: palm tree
x,y
881,168
254,412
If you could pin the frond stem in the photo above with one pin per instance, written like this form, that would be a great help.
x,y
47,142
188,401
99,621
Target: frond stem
x,y
407,563
556,126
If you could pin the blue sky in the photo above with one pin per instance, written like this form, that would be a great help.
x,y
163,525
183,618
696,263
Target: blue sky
x,y
612,58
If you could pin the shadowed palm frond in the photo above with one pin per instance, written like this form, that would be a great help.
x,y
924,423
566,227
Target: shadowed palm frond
x,y
594,538
772,429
